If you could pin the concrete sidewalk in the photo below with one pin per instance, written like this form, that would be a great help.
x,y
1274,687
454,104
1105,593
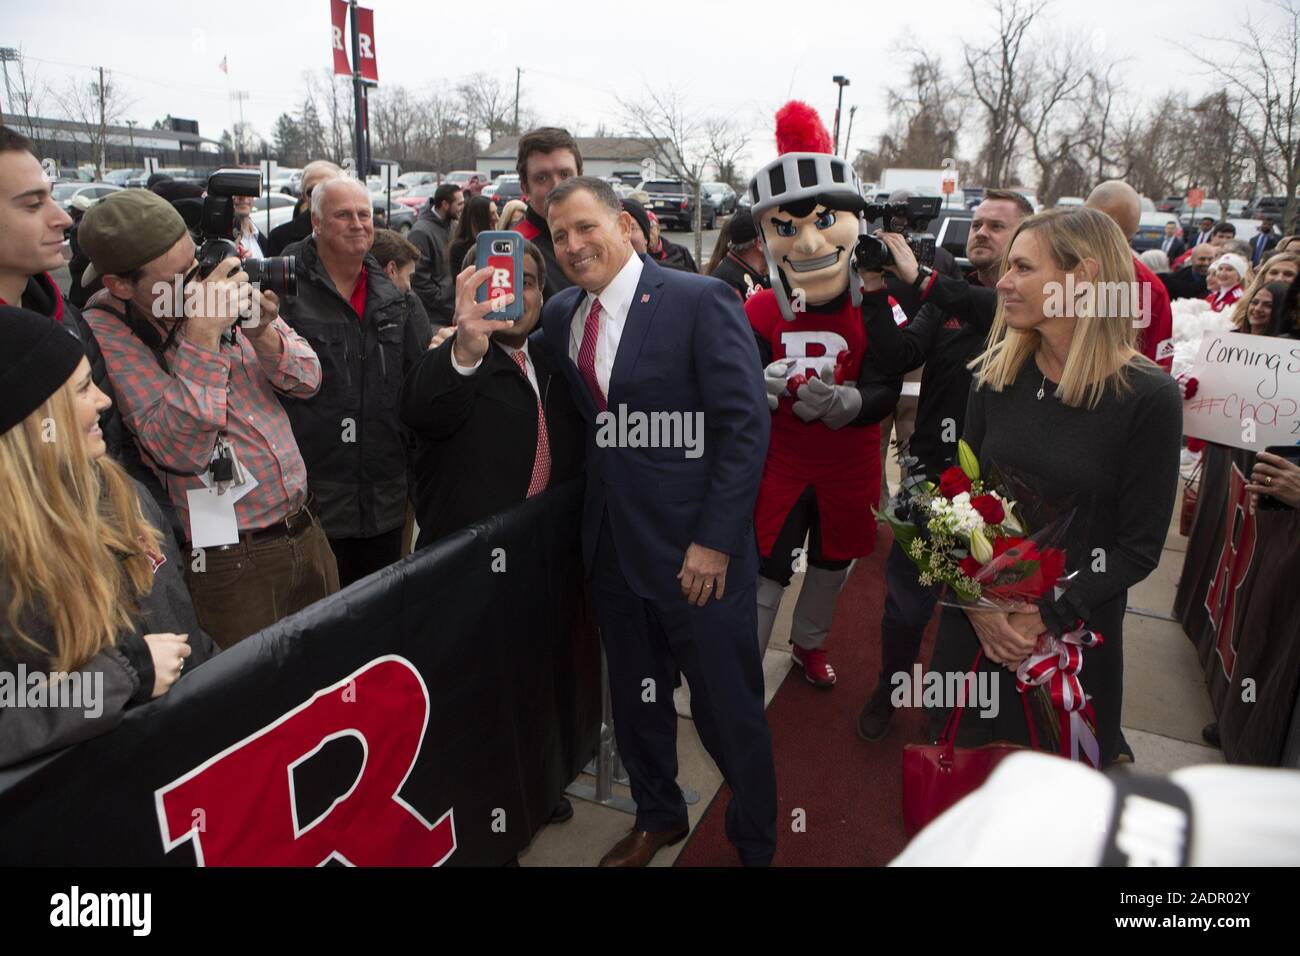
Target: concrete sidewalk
x,y
1165,706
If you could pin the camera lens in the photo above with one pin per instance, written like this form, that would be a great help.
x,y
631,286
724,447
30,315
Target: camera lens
x,y
278,274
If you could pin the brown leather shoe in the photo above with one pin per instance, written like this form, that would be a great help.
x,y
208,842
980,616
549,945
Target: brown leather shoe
x,y
639,847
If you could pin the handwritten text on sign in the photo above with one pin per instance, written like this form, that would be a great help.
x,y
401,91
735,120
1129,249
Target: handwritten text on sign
x,y
1249,391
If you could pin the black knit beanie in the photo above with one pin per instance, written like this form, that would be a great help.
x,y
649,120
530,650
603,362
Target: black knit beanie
x,y
37,356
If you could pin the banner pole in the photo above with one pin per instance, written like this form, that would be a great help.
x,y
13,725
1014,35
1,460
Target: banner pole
x,y
606,756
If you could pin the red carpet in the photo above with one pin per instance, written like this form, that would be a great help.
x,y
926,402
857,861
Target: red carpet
x,y
850,790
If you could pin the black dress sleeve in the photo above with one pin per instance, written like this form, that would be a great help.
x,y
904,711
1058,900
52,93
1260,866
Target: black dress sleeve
x,y
1148,487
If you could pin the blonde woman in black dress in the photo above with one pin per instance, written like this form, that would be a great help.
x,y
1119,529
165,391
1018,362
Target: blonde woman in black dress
x,y
1062,399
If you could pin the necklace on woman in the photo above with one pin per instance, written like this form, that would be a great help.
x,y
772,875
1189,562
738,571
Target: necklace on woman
x,y
1042,388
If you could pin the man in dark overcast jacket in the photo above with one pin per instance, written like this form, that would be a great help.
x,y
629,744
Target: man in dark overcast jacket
x,y
360,326
473,406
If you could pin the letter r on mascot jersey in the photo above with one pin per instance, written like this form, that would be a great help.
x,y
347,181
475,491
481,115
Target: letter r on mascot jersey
x,y
822,473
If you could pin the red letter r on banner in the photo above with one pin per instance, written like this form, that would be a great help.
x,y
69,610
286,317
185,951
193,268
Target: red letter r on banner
x,y
238,807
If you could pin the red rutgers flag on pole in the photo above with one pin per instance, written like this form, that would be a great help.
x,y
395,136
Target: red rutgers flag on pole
x,y
339,16
364,57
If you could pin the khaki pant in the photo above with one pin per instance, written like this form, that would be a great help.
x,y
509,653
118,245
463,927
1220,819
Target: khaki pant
x,y
246,587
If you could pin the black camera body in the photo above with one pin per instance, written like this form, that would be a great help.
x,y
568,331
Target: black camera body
x,y
910,219
279,274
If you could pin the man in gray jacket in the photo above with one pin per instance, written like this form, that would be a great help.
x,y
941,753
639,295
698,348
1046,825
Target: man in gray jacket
x,y
433,281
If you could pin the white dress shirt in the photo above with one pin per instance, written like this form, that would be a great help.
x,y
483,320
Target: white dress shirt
x,y
250,247
510,351
615,302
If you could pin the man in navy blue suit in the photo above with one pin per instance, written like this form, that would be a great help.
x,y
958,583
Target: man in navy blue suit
x,y
665,372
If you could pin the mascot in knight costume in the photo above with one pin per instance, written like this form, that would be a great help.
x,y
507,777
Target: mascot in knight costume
x,y
822,473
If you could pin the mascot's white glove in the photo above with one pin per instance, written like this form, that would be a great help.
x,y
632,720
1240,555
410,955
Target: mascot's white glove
x,y
835,405
774,377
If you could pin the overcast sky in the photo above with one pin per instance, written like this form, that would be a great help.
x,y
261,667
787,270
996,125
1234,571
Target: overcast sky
x,y
741,59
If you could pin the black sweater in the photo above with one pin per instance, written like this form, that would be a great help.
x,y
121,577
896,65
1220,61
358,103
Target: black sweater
x,y
947,333
1119,464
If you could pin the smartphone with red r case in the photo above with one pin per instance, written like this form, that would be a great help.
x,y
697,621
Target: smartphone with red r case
x,y
503,253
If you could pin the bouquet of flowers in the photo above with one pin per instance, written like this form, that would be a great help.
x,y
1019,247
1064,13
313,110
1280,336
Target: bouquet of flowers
x,y
969,533
966,533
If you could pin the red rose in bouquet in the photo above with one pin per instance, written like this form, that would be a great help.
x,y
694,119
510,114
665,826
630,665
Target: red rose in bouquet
x,y
989,508
953,482
969,567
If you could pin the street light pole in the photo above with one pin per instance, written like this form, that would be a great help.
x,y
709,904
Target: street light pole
x,y
358,99
841,82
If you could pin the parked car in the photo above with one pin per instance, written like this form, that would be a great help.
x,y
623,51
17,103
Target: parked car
x,y
71,174
972,195
416,178
1172,204
1266,207
722,196
1209,208
417,196
1151,229
1069,202
64,193
670,200
470,182
119,177
507,188
284,181
275,200
399,218
1248,229
378,187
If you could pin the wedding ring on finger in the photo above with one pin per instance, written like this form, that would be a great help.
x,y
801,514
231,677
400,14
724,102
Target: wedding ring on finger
x,y
1268,480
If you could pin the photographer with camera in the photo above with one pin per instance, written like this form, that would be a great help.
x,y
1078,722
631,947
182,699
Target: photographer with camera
x,y
946,334
368,336
200,395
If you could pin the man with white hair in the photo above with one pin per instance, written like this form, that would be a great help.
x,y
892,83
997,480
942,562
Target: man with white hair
x,y
363,330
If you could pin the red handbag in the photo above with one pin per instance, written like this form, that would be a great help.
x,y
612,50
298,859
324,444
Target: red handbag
x,y
935,776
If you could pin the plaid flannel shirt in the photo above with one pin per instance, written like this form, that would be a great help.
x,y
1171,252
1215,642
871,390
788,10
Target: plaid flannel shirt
x,y
176,418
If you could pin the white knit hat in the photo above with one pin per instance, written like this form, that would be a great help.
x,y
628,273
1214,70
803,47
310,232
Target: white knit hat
x,y
1235,261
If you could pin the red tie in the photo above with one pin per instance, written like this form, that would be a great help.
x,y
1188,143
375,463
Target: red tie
x,y
587,355
542,459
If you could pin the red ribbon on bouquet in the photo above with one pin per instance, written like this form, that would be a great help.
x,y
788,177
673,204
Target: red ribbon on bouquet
x,y
1057,662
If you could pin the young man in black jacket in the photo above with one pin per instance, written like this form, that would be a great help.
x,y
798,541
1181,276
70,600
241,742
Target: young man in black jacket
x,y
947,332
493,419
362,330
